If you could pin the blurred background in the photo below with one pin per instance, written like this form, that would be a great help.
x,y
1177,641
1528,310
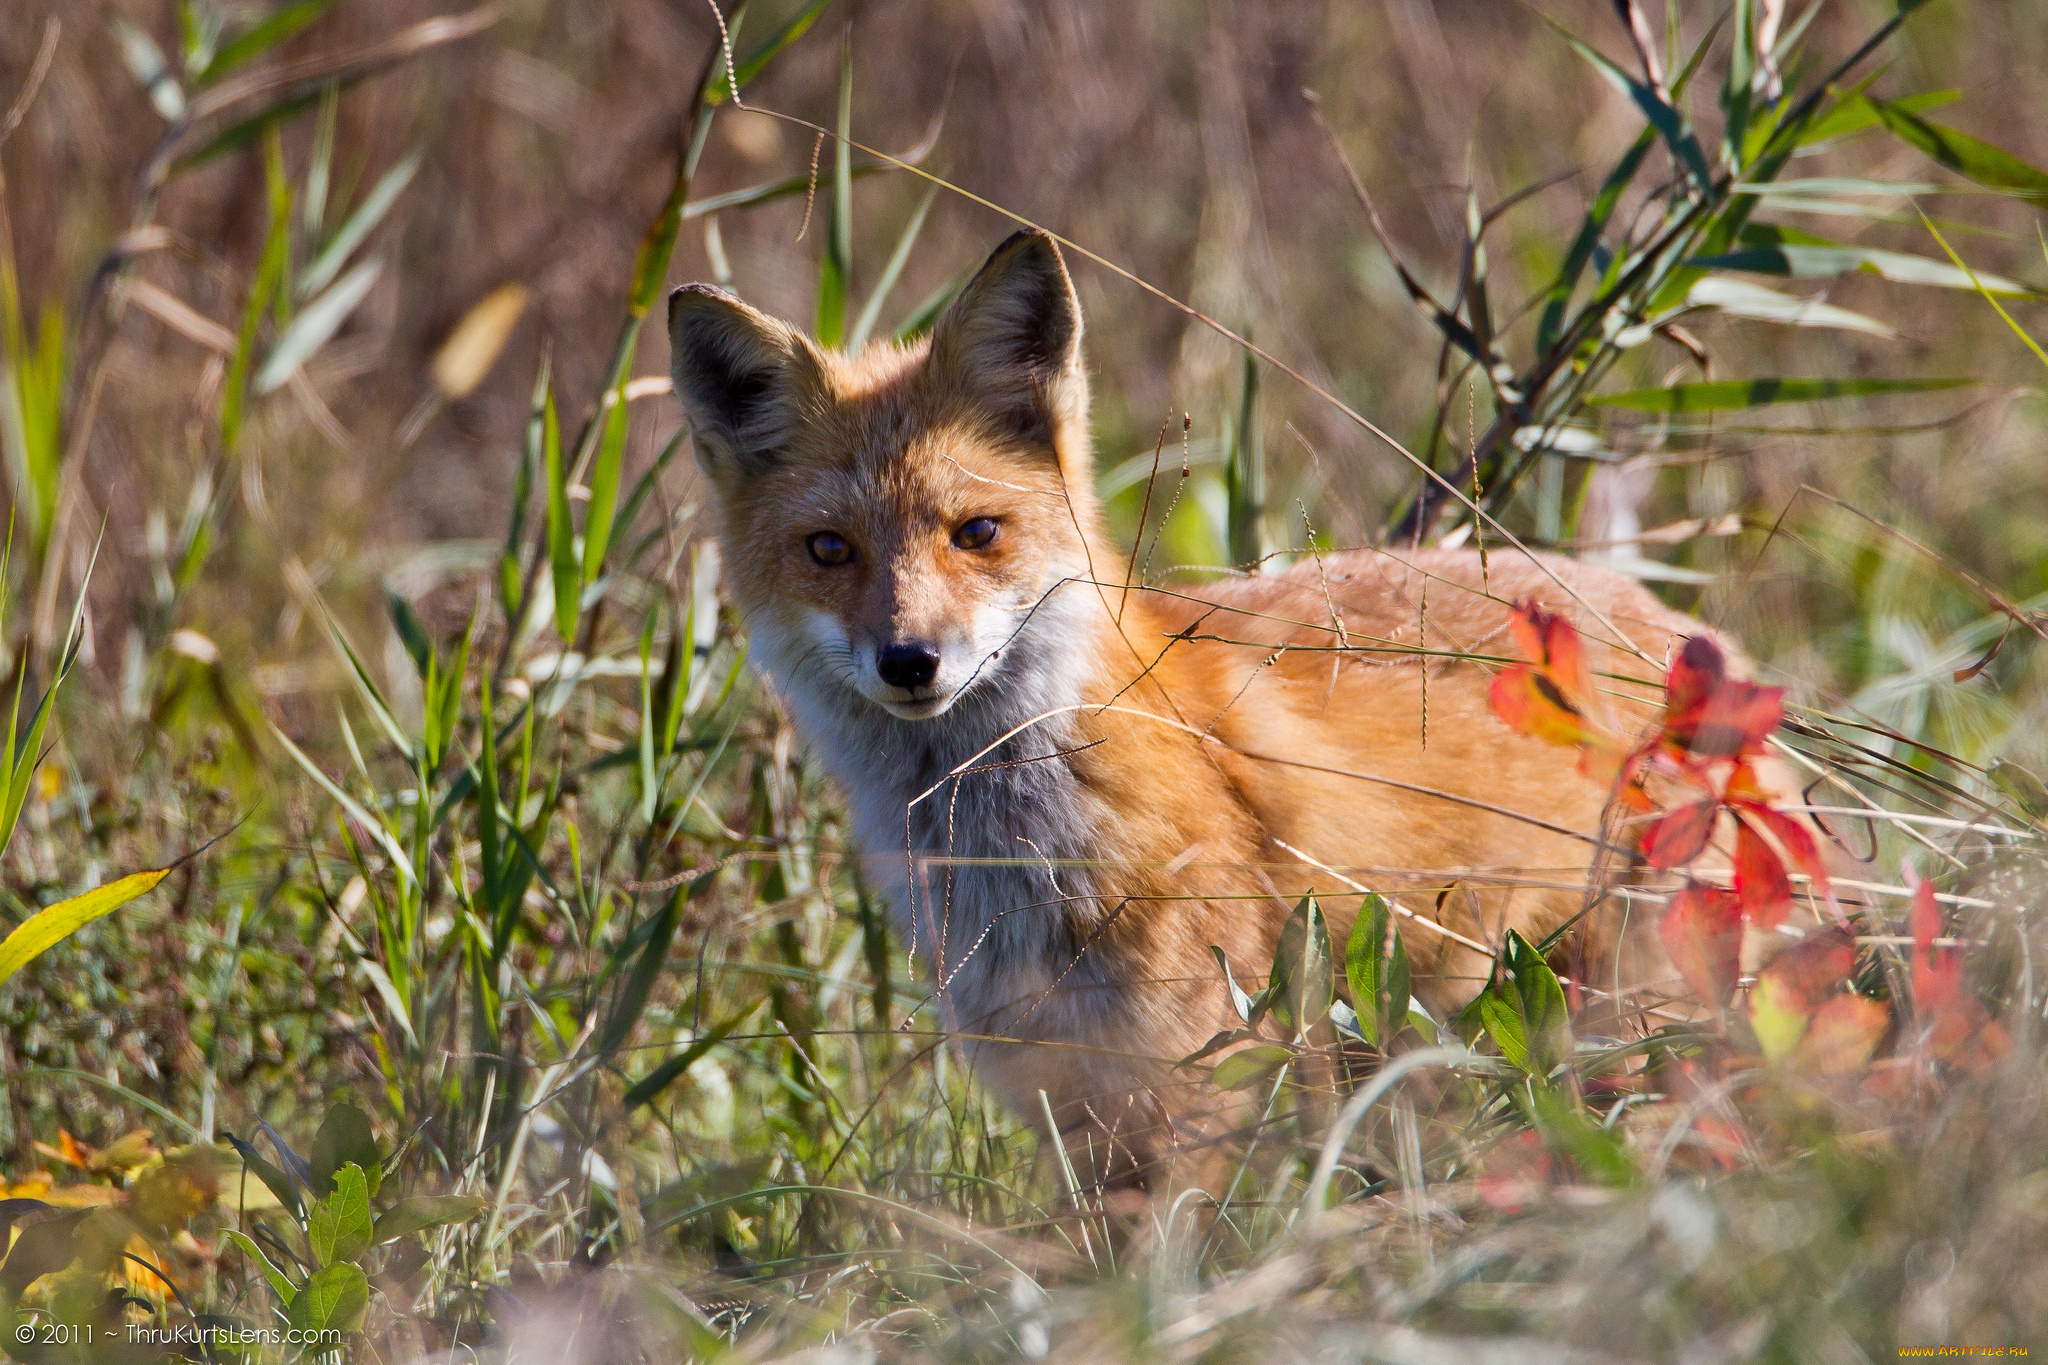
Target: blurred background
x,y
1171,138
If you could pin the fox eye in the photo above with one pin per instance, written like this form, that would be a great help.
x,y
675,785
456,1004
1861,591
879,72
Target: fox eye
x,y
829,549
976,534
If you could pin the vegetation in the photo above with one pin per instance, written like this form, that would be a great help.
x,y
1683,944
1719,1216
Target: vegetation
x,y
422,928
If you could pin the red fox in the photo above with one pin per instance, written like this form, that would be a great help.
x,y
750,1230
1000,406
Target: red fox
x,y
1071,786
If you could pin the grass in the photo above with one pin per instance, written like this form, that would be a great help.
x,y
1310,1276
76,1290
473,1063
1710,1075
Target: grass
x,y
526,993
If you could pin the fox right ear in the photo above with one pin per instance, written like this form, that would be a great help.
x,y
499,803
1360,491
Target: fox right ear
x,y
740,375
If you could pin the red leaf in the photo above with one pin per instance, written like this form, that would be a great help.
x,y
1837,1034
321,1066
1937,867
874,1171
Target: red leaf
x,y
1962,1030
1843,1034
1815,967
1550,697
1531,705
1709,715
1702,931
1679,837
1937,976
1696,674
1760,879
1796,839
1738,720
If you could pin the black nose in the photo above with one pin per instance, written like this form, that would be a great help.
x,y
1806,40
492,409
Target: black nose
x,y
907,664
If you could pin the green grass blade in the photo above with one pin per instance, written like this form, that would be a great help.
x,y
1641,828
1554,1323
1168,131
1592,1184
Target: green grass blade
x,y
316,326
864,326
270,275
750,66
650,1086
1965,155
259,38
1989,297
1662,116
392,848
926,315
790,186
604,488
1729,395
835,269
510,586
373,695
1854,113
357,226
561,535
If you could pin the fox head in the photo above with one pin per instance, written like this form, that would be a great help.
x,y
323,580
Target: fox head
x,y
893,522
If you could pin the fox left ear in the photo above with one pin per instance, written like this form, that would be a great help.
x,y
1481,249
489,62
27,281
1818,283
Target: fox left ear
x,y
742,378
1013,341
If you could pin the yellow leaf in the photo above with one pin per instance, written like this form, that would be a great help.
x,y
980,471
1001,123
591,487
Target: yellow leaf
x,y
53,924
1779,1015
470,351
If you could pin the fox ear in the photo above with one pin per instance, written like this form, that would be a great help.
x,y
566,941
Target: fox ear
x,y
1013,341
741,376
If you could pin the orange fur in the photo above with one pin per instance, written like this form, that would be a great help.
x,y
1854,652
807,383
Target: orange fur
x,y
1102,782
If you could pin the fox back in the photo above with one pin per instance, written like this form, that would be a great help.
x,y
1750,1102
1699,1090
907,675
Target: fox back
x,y
1070,787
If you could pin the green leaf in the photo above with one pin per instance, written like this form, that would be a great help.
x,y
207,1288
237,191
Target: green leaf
x,y
279,1285
1854,113
1772,249
423,1211
274,1180
344,1139
1425,1024
1249,1066
632,1000
654,1082
1662,116
333,1300
1244,1004
53,924
1304,981
357,226
604,488
1598,1152
1502,1022
1965,155
1739,299
1560,294
1540,998
316,325
1728,395
568,578
1376,968
340,1228
47,1245
259,38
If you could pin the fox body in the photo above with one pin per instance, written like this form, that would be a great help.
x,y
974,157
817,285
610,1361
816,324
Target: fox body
x,y
1070,788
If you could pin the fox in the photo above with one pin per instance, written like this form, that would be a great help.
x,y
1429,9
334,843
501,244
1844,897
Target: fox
x,y
1075,789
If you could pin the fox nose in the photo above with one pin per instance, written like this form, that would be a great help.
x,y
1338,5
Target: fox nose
x,y
907,664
